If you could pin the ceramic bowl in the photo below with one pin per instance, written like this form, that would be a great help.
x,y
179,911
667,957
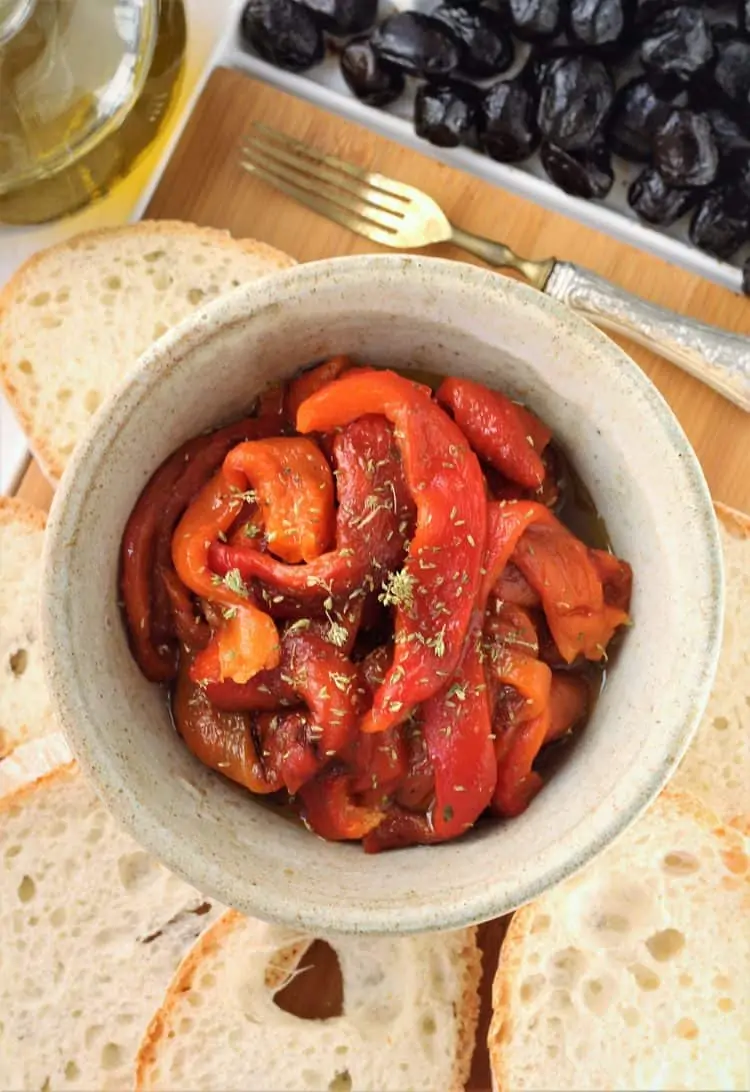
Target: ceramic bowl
x,y
411,313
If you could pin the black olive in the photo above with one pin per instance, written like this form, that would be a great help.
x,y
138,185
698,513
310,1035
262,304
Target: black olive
x,y
417,44
729,85
731,139
656,201
369,78
746,270
647,10
743,18
637,113
444,113
575,98
342,17
741,180
507,121
678,44
721,223
536,20
539,60
486,47
584,174
282,32
685,152
599,24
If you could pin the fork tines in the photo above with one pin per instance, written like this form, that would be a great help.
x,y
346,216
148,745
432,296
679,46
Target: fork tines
x,y
368,204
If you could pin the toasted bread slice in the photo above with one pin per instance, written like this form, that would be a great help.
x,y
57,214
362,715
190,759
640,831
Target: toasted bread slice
x,y
717,764
25,711
93,930
408,1022
76,317
632,974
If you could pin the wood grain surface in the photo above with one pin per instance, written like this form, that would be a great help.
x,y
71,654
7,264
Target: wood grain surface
x,y
205,184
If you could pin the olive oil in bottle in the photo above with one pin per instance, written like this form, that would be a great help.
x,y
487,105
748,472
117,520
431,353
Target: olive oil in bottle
x,y
85,86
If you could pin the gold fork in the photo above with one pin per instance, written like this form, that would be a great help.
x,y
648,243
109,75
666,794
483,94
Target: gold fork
x,y
400,216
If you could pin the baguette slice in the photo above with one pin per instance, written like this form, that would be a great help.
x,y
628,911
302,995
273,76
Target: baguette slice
x,y
633,974
32,760
25,711
716,766
93,930
76,317
409,1017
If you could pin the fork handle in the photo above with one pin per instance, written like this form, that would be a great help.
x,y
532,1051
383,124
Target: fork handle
x,y
717,357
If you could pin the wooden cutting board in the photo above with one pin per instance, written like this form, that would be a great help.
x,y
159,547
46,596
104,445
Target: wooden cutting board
x,y
205,184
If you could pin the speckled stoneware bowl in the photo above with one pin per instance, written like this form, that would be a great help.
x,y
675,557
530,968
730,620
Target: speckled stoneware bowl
x,y
407,312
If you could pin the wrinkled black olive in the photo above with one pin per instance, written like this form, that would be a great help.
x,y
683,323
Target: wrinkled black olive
x,y
647,10
721,223
342,17
536,20
731,139
444,113
282,32
539,60
637,113
685,152
678,44
507,122
584,174
729,84
486,47
599,24
417,44
741,181
657,202
575,98
369,78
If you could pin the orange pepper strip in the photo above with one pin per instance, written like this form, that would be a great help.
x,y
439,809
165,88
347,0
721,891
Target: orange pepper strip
x,y
436,592
293,485
530,677
305,385
248,641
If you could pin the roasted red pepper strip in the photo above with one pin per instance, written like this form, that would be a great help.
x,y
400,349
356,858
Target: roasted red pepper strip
x,y
290,748
456,722
329,810
516,750
247,641
435,592
513,587
222,741
569,700
293,487
558,566
374,517
147,541
300,389
501,432
313,671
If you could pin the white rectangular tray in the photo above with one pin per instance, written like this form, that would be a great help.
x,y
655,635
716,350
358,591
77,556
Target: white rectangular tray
x,y
324,86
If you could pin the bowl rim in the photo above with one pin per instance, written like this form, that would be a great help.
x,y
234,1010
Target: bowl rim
x,y
239,306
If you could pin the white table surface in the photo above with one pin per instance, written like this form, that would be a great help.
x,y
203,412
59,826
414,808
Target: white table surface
x,y
208,21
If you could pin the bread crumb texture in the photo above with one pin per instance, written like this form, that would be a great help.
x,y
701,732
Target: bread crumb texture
x,y
76,317
633,974
25,711
93,930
